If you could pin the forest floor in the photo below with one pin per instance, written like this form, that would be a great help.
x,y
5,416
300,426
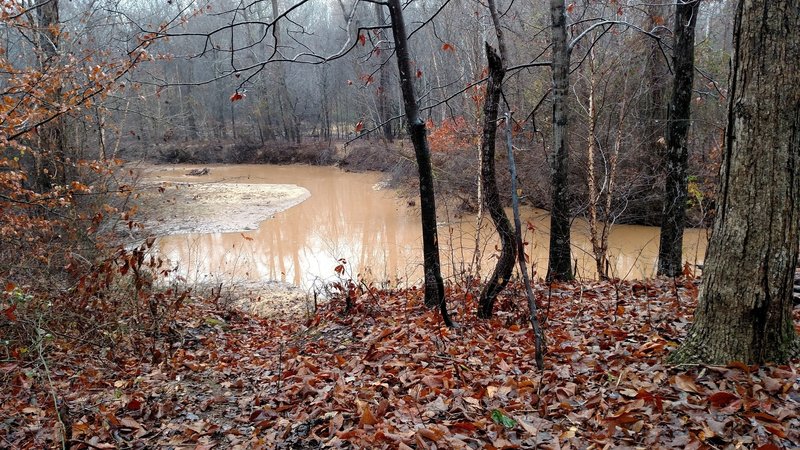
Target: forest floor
x,y
387,374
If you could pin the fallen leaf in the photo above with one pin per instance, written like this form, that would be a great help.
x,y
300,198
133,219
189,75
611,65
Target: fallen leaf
x,y
501,418
686,383
722,399
366,417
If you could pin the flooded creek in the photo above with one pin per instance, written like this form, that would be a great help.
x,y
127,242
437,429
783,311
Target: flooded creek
x,y
348,217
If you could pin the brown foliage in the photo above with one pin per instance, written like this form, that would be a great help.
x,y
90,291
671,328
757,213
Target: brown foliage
x,y
388,375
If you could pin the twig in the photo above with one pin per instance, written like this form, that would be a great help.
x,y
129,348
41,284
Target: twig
x,y
280,366
537,330
40,351
86,443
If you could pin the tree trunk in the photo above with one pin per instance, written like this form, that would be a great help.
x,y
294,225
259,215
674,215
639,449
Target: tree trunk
x,y
673,218
383,82
291,124
434,285
655,112
560,260
599,245
611,180
233,120
745,308
50,156
184,74
491,195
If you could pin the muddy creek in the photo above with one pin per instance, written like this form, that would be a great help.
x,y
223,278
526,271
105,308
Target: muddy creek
x,y
348,217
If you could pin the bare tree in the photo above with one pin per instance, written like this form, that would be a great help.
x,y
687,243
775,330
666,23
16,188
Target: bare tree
x,y
670,250
51,135
490,193
434,285
560,259
383,82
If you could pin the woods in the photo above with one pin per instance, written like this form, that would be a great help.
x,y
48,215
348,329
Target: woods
x,y
610,113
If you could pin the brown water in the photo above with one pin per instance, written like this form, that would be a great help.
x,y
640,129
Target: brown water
x,y
376,233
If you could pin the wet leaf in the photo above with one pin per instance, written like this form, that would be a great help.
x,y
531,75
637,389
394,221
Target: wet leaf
x,y
686,383
366,417
501,418
722,399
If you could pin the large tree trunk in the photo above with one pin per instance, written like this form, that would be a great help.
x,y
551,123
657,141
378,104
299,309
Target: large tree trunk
x,y
491,195
560,260
673,218
745,307
434,286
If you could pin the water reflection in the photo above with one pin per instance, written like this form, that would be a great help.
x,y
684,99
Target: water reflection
x,y
377,234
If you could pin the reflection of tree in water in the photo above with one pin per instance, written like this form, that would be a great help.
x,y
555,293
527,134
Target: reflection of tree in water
x,y
377,235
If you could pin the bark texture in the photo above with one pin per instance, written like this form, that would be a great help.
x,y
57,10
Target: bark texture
x,y
745,306
434,286
559,265
491,195
673,217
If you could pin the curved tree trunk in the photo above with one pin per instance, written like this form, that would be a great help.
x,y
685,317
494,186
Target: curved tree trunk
x,y
559,266
491,195
673,218
434,285
745,308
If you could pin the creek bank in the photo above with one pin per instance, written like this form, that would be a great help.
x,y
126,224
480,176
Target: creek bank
x,y
267,299
185,200
359,156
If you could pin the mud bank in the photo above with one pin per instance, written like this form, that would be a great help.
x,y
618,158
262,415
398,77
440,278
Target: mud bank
x,y
173,202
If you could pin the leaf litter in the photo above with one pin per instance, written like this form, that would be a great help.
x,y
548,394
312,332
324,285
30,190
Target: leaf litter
x,y
388,374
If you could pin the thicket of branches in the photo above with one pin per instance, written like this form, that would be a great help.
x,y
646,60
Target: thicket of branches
x,y
267,75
